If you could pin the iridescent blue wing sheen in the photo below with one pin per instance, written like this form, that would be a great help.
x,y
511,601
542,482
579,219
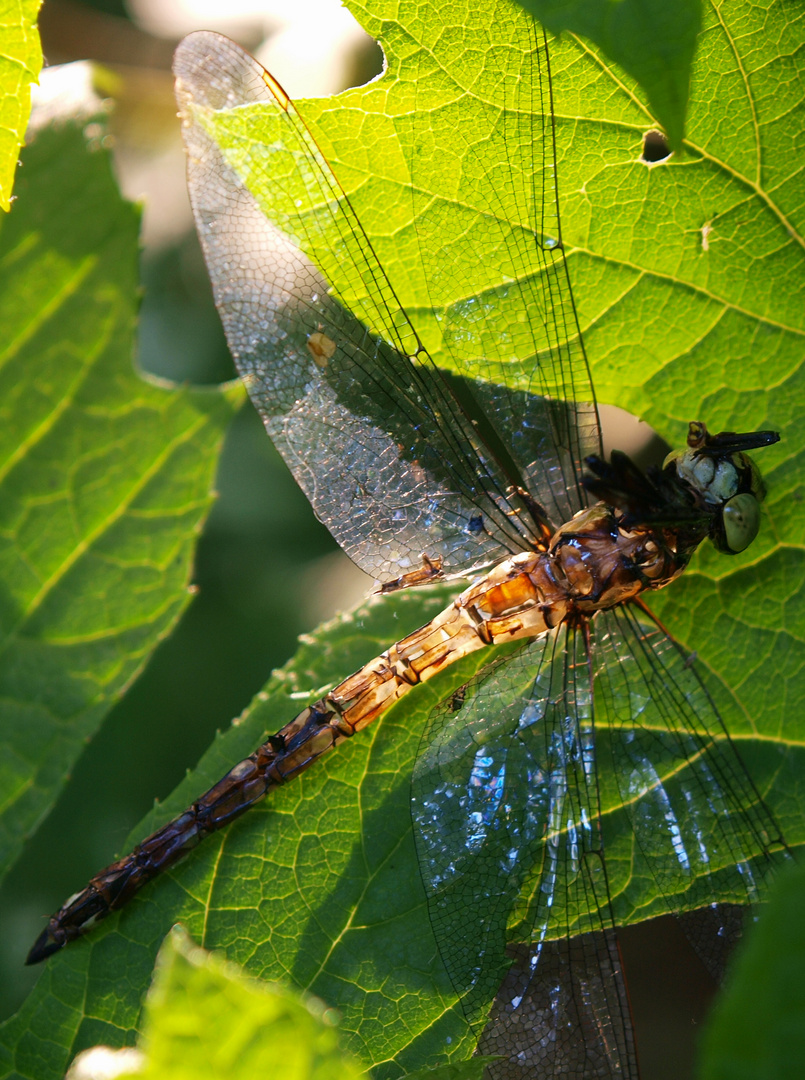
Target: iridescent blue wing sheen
x,y
560,794
507,821
693,821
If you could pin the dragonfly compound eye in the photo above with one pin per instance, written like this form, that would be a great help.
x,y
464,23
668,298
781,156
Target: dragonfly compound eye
x,y
741,521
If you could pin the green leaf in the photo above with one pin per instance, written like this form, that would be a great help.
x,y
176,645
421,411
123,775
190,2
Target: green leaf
x,y
472,1069
686,279
103,479
318,887
756,1027
684,273
204,1019
20,64
653,41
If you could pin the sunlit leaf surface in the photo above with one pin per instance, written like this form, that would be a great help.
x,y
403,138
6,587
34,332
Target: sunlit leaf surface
x,y
204,1019
20,64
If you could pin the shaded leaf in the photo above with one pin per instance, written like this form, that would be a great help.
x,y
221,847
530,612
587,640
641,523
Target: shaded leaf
x,y
103,479
651,40
472,1069
326,867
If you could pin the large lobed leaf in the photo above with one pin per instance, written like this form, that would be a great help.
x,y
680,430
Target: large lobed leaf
x,y
204,1017
103,479
684,277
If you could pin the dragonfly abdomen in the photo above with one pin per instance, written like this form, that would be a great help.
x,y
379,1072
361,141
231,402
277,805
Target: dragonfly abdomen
x,y
589,564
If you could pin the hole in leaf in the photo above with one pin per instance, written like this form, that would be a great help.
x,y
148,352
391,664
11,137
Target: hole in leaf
x,y
655,147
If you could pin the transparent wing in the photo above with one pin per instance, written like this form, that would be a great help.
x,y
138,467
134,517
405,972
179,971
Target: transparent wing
x,y
491,246
507,822
517,795
370,429
691,820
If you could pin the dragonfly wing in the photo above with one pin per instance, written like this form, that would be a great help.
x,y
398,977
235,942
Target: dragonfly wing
x,y
491,246
562,1010
693,824
714,931
368,426
507,824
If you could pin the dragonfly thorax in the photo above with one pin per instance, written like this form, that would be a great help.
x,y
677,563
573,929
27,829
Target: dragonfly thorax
x,y
593,562
604,562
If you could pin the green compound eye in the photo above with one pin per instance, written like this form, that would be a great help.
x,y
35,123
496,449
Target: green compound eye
x,y
741,516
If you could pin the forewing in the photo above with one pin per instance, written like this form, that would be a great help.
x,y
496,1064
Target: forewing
x,y
697,828
491,245
368,426
507,824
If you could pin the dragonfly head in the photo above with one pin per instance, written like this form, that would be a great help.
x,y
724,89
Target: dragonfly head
x,y
723,481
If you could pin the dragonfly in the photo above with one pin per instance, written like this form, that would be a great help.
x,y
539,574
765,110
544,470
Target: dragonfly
x,y
587,734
